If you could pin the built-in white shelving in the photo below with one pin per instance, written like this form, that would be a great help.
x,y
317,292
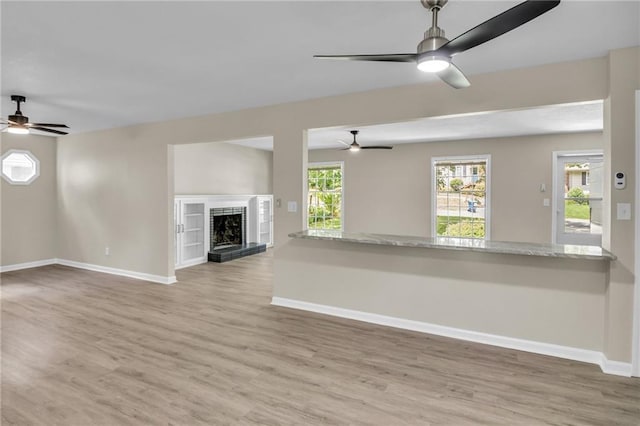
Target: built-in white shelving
x,y
190,232
192,223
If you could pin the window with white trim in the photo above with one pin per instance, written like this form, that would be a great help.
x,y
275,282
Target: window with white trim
x,y
324,189
20,167
461,197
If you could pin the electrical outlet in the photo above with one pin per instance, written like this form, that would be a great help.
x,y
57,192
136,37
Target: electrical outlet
x,y
106,251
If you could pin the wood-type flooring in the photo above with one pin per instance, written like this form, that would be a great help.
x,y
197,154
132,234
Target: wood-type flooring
x,y
86,348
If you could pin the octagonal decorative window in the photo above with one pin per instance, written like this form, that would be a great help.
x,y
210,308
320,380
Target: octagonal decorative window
x,y
20,167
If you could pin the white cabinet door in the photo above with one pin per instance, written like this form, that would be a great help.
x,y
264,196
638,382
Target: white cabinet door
x,y
265,219
190,232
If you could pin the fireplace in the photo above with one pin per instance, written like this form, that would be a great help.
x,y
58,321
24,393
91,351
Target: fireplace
x,y
230,233
228,227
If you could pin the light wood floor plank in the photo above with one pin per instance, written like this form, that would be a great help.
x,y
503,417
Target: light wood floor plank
x,y
85,348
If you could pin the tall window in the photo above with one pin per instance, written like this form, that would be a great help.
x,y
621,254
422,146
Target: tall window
x,y
324,182
461,201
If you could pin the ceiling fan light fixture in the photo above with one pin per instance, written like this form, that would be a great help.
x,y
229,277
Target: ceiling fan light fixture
x,y
354,147
435,51
19,123
18,130
433,64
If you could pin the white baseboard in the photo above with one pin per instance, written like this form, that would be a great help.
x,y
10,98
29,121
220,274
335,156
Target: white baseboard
x,y
27,265
189,264
97,268
615,367
122,272
576,354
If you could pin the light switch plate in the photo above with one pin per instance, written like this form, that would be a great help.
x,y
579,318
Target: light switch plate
x,y
546,202
623,211
292,206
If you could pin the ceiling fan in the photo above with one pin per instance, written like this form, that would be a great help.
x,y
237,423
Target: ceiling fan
x,y
19,124
434,53
355,146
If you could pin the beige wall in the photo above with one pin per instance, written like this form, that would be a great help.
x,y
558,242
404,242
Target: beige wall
x,y
390,192
29,212
114,185
221,168
113,192
619,155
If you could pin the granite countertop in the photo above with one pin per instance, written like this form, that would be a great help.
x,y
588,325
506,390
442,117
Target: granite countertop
x,y
465,244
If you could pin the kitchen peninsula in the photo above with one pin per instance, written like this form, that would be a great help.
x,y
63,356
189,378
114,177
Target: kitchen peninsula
x,y
542,298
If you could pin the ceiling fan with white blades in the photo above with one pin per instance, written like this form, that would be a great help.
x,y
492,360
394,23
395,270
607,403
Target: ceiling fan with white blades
x,y
434,53
19,124
355,146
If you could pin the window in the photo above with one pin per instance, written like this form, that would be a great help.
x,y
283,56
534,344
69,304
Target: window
x,y
324,184
585,178
475,171
461,197
20,167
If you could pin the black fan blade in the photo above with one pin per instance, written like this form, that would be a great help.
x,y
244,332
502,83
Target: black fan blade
x,y
47,125
398,57
42,129
498,25
376,147
454,77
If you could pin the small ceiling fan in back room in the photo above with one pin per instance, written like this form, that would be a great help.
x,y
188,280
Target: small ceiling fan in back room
x,y
355,146
435,51
19,124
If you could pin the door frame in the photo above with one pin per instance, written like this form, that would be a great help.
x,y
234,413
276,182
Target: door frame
x,y
635,341
555,182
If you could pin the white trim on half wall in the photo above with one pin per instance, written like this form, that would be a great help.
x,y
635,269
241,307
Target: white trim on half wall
x,y
566,352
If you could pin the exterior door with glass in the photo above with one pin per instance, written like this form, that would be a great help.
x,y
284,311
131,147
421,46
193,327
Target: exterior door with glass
x,y
579,190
